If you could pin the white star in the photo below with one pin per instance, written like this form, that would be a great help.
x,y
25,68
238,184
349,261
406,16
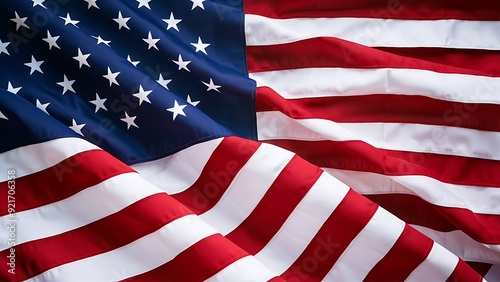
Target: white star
x,y
51,40
122,22
67,85
182,64
2,116
197,3
77,127
172,22
100,40
193,103
82,58
20,21
177,109
99,103
111,76
42,107
135,63
34,65
92,3
68,20
38,3
163,82
129,120
151,41
143,95
144,3
12,89
211,86
3,47
200,46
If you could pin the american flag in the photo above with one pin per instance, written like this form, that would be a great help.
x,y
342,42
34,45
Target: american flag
x,y
195,140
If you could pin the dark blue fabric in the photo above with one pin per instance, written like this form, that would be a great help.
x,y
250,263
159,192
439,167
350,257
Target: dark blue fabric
x,y
220,23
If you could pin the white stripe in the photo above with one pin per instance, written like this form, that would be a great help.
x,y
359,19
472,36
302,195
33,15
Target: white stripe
x,y
410,137
303,224
438,266
135,258
330,82
179,171
244,269
493,274
34,158
368,248
260,30
80,209
247,188
463,246
474,198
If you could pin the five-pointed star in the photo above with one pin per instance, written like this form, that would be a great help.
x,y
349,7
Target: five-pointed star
x,y
38,3
111,76
200,46
182,64
129,120
151,41
177,109
144,3
100,40
172,22
20,21
42,107
143,95
68,20
3,47
52,40
82,58
193,103
34,65
211,86
197,3
92,3
122,22
12,89
2,116
135,63
77,127
67,85
163,82
99,103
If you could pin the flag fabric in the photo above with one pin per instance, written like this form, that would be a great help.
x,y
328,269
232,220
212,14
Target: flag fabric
x,y
128,145
397,99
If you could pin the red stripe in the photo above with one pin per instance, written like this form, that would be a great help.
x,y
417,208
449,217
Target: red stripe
x,y
338,231
383,108
360,156
405,247
483,228
63,180
276,206
394,9
463,272
226,161
197,263
414,210
485,61
479,267
334,52
120,229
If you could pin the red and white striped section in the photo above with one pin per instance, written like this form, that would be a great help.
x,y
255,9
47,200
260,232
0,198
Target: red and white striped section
x,y
397,100
241,211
